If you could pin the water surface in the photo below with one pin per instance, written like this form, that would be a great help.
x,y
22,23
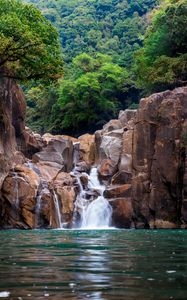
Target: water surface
x,y
104,264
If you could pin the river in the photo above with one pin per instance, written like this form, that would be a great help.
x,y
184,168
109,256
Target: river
x,y
88,264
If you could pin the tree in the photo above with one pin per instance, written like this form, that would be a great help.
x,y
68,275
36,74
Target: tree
x,y
91,96
162,63
29,46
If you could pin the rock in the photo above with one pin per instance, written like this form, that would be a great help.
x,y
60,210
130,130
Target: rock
x,y
118,191
121,177
126,115
111,146
65,190
47,170
87,148
111,126
122,212
107,169
8,146
47,137
82,166
18,196
158,159
57,151
33,143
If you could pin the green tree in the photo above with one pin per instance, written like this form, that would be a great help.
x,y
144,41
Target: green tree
x,y
29,46
92,96
162,63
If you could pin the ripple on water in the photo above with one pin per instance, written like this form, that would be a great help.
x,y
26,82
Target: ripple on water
x,y
85,264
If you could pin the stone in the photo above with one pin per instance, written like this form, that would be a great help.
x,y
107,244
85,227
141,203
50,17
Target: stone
x,y
118,191
122,212
18,196
121,177
57,151
64,188
87,148
107,168
111,126
47,137
158,154
126,115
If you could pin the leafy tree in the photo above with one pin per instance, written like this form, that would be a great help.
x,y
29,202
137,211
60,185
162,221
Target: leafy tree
x,y
92,96
162,63
29,46
113,27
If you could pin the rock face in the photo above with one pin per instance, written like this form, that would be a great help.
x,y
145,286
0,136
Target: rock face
x,y
141,158
146,150
158,184
12,112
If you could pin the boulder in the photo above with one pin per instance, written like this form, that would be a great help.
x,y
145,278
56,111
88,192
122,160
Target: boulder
x,y
64,188
122,214
125,116
87,148
118,191
18,196
158,160
57,151
107,169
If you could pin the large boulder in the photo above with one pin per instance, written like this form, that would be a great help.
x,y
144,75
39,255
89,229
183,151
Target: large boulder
x,y
158,160
57,151
18,198
64,187
87,148
122,215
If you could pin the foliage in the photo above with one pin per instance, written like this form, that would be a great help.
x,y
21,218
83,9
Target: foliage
x,y
162,63
29,46
90,95
99,38
113,27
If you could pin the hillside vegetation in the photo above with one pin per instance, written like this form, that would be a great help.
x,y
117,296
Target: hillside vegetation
x,y
114,51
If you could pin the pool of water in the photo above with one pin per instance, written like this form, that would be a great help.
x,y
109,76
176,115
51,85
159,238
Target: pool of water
x,y
103,264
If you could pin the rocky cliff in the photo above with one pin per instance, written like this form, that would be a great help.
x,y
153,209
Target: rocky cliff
x,y
140,157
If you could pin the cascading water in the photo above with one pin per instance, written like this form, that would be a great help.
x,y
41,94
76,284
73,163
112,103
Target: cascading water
x,y
57,210
95,213
16,190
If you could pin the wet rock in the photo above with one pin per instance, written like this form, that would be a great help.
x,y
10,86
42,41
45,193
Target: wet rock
x,y
18,197
64,187
122,214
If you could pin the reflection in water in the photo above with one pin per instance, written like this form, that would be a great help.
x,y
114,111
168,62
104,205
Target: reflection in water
x,y
100,265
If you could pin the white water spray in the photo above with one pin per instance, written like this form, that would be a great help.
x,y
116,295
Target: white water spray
x,y
97,213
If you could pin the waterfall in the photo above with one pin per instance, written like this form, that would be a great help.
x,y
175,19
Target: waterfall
x,y
57,210
95,213
16,189
44,190
98,214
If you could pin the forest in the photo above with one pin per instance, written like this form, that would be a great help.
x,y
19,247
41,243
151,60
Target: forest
x,y
114,52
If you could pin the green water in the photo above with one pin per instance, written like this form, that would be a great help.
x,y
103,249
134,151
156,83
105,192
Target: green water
x,y
113,264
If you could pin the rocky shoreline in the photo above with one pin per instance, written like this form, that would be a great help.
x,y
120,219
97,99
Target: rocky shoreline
x,y
140,157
